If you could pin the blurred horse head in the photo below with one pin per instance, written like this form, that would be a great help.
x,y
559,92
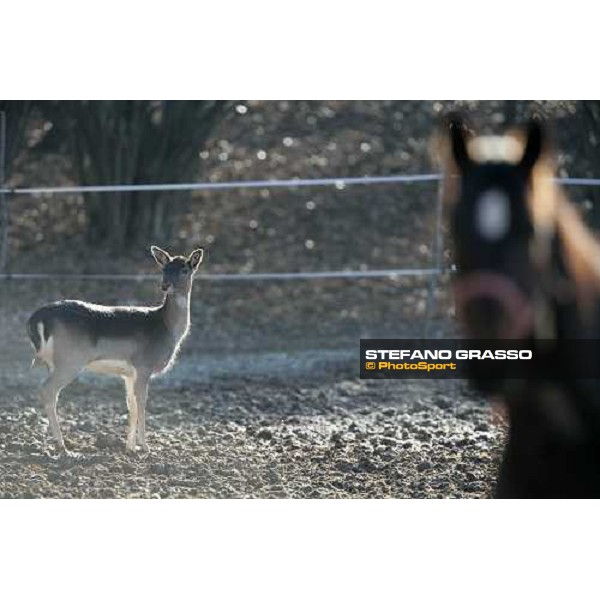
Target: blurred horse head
x,y
522,250
493,180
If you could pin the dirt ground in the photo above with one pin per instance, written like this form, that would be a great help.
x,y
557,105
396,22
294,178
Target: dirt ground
x,y
260,405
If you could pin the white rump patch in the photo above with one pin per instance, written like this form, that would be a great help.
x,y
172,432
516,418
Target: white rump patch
x,y
46,351
492,215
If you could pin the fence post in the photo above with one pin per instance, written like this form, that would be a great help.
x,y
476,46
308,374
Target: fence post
x,y
437,251
3,197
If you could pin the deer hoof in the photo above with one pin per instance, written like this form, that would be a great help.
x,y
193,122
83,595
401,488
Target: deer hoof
x,y
69,454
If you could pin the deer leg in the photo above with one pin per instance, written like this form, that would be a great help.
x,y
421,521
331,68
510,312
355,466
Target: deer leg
x,y
49,392
133,412
141,395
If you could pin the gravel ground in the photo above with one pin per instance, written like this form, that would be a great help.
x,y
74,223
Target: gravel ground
x,y
336,438
252,420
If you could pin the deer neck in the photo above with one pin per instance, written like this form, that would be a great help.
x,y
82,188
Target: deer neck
x,y
176,312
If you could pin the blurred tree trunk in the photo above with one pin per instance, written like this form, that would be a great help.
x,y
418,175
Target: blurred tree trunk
x,y
16,116
134,142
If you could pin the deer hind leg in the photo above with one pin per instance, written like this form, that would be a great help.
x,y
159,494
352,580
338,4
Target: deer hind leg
x,y
141,395
133,411
49,391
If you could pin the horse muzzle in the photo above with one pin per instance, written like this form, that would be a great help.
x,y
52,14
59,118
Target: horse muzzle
x,y
492,306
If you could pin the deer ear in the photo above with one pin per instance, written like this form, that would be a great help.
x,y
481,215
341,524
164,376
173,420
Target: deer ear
x,y
195,258
160,256
533,146
458,141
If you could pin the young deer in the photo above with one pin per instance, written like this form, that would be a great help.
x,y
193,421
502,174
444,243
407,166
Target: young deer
x,y
135,343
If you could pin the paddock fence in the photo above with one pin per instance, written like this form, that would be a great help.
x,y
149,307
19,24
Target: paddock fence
x,y
431,272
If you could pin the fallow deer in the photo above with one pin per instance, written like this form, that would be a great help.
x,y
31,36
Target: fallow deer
x,y
135,343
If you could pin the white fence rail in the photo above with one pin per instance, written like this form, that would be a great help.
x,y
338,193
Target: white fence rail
x,y
338,182
303,275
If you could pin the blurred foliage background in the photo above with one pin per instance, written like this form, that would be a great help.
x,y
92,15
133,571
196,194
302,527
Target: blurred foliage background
x,y
359,227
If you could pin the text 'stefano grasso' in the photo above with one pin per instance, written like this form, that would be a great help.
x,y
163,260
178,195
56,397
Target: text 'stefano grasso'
x,y
455,359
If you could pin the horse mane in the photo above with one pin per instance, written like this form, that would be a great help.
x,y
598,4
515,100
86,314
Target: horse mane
x,y
552,213
582,253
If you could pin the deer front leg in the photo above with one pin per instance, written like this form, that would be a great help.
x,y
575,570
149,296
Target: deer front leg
x,y
141,395
132,410
48,394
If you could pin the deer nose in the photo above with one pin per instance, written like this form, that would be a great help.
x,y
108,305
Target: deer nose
x,y
165,287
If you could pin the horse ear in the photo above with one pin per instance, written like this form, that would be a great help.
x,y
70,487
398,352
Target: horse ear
x,y
534,145
458,139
